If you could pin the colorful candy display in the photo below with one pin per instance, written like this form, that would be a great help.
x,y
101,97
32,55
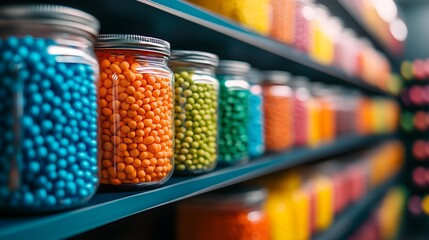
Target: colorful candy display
x,y
136,110
234,109
384,222
49,122
232,213
302,202
195,111
313,30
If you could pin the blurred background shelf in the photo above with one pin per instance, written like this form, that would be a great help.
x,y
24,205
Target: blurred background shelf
x,y
107,207
346,222
187,26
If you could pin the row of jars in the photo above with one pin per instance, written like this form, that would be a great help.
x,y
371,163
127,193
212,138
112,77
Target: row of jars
x,y
385,221
310,28
288,205
127,116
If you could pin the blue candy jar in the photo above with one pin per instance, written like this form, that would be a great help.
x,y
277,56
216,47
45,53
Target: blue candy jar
x,y
48,74
255,125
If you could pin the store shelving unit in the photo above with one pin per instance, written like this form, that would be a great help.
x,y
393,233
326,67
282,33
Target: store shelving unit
x,y
353,20
350,219
107,207
189,27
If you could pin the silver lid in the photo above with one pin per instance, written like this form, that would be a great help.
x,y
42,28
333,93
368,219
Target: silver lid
x,y
254,76
232,67
50,15
194,57
133,42
280,77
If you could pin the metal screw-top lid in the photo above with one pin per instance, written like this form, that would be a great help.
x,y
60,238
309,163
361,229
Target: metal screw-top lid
x,y
254,76
279,77
232,197
133,42
194,57
60,16
232,67
300,82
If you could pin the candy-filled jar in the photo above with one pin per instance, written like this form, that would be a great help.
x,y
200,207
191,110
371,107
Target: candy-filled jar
x,y
278,110
48,74
303,15
237,212
135,111
195,111
233,112
256,115
301,98
321,46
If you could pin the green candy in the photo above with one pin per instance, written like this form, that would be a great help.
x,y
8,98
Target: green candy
x,y
195,111
233,115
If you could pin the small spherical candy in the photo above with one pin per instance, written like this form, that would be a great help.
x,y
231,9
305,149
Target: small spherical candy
x,y
189,99
255,124
135,113
233,115
278,117
34,173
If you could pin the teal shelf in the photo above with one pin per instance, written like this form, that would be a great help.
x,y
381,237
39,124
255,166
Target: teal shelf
x,y
107,207
346,222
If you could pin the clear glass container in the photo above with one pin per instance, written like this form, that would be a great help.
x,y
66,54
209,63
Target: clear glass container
x,y
304,14
135,111
196,111
234,112
48,74
278,110
302,96
322,46
256,115
237,212
283,21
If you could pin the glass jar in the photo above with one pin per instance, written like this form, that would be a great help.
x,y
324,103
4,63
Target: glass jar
x,y
195,111
48,143
282,24
277,110
234,112
328,100
314,112
304,14
301,98
255,126
135,111
233,213
322,47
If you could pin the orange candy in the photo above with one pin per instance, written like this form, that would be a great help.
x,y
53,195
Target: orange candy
x,y
135,111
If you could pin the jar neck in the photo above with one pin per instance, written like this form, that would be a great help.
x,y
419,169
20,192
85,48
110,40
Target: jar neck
x,y
192,67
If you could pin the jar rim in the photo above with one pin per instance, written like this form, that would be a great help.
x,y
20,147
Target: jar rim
x,y
133,42
191,56
233,67
280,77
51,14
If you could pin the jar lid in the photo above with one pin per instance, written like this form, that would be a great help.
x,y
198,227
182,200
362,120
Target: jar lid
x,y
50,14
194,57
300,82
232,67
280,77
232,197
133,42
254,76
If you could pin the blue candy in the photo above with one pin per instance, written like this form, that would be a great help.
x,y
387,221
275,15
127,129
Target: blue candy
x,y
57,159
